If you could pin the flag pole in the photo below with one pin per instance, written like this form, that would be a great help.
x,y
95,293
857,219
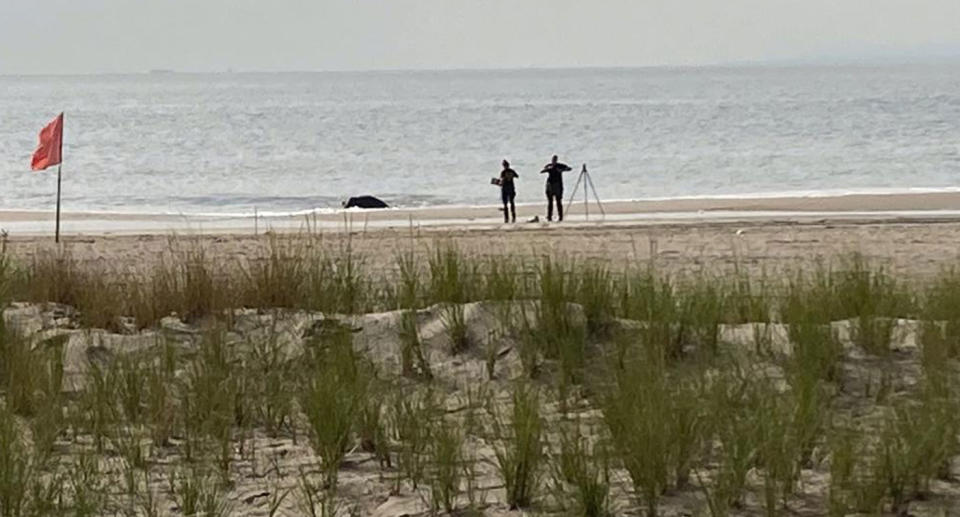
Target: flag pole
x,y
56,237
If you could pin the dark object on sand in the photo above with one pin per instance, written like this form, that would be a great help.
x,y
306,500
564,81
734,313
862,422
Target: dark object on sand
x,y
327,327
364,202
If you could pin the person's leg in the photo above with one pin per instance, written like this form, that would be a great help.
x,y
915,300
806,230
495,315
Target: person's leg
x,y
559,194
504,197
513,207
549,205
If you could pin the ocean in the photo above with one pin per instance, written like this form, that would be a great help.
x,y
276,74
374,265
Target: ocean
x,y
291,142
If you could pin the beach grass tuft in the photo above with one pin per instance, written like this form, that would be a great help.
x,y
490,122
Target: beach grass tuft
x,y
519,453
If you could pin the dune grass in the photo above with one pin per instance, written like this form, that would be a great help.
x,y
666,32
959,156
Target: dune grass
x,y
333,395
520,451
411,414
581,472
637,413
674,406
446,466
19,469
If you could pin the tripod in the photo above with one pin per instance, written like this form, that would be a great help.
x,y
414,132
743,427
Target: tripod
x,y
584,177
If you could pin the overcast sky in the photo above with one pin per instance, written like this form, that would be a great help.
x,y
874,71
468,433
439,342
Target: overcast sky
x,y
83,36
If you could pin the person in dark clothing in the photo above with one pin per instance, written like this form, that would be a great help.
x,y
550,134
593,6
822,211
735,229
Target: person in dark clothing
x,y
508,192
554,171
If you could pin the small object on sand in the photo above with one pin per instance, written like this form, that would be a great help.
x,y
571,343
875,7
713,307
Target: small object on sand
x,y
327,327
254,497
740,231
364,202
536,219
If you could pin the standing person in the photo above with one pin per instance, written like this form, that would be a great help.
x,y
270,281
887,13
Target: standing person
x,y
554,171
508,192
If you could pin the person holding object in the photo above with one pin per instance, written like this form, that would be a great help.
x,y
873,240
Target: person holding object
x,y
508,192
554,171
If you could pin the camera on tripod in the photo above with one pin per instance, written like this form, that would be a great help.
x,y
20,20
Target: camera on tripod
x,y
587,181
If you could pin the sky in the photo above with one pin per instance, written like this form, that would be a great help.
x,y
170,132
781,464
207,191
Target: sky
x,y
118,36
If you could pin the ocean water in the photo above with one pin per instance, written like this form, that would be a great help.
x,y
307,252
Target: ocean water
x,y
230,143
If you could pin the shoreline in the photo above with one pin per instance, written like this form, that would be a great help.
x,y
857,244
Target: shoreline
x,y
921,205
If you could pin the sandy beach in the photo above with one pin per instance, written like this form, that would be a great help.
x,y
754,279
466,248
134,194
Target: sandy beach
x,y
911,233
912,237
910,205
920,204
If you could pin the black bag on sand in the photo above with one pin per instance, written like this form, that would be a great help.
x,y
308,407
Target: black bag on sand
x,y
364,202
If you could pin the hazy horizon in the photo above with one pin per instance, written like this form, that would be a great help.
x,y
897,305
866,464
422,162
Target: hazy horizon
x,y
118,36
825,62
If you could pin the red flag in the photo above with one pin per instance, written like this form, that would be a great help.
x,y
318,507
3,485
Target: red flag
x,y
51,143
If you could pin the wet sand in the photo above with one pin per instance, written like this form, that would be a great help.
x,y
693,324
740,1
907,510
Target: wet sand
x,y
699,210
